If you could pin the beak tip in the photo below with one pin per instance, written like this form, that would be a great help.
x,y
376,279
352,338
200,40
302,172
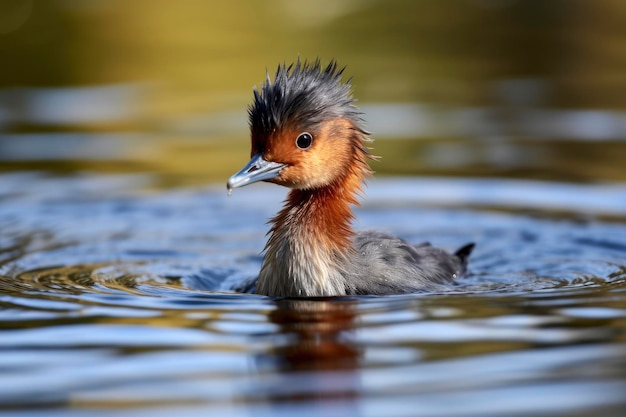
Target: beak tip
x,y
235,181
256,170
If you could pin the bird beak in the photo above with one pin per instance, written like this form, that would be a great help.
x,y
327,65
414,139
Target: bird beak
x,y
258,169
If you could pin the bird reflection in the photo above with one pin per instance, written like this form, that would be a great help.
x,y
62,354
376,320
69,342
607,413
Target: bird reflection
x,y
318,358
319,331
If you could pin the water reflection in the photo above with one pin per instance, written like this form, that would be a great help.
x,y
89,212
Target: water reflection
x,y
570,145
318,334
315,359
125,104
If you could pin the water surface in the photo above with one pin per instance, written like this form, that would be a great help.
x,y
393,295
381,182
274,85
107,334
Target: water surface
x,y
116,299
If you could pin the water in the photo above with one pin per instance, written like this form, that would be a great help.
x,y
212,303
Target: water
x,y
115,300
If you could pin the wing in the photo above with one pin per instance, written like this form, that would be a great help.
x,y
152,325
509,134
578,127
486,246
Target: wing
x,y
389,265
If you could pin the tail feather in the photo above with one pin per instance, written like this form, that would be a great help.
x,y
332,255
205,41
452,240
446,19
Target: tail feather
x,y
464,252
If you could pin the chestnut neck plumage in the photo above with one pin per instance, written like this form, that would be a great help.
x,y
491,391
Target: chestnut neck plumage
x,y
310,245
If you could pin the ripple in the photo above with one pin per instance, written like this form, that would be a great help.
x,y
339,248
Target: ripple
x,y
121,300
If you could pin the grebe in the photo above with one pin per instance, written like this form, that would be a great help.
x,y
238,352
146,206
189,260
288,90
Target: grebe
x,y
308,135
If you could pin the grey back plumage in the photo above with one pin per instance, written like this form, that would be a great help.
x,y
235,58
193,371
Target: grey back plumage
x,y
385,264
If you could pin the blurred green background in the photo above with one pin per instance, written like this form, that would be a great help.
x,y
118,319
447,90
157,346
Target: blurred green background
x,y
531,89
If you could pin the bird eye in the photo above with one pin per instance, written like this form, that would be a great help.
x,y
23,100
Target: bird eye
x,y
304,141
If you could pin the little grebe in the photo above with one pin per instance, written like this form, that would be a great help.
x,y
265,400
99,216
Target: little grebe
x,y
308,135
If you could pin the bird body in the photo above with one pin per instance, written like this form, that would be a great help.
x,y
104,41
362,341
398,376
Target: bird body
x,y
307,135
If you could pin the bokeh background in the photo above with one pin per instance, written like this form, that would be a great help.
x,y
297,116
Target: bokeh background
x,y
502,88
